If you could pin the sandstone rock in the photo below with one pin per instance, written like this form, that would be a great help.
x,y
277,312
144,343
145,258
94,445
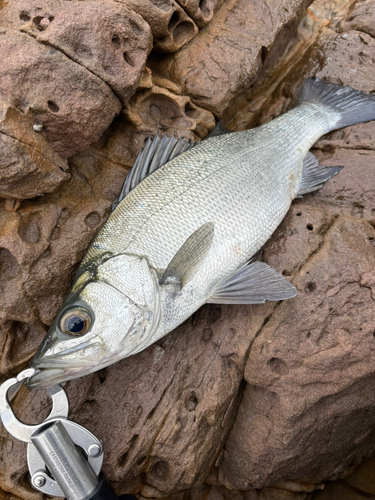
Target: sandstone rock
x,y
200,11
339,490
73,106
363,478
158,109
171,27
108,39
28,165
361,18
224,59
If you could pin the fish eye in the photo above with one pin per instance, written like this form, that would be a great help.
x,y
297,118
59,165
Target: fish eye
x,y
75,322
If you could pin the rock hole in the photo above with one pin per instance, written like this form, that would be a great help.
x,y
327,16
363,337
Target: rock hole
x,y
286,272
308,335
207,334
24,16
53,106
263,53
373,333
205,8
42,22
190,111
182,32
92,219
173,20
29,231
102,375
116,41
128,59
160,470
192,402
8,265
310,287
214,313
298,214
310,227
141,460
278,366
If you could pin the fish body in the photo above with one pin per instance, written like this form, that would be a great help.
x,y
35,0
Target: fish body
x,y
184,235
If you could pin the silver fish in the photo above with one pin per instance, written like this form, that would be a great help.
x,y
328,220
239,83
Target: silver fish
x,y
187,223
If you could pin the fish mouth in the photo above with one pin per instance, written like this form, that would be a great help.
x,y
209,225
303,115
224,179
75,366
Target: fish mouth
x,y
65,365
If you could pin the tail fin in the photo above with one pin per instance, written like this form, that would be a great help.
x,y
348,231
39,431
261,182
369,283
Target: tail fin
x,y
353,106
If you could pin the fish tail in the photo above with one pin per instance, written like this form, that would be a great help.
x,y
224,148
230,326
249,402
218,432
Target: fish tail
x,y
352,105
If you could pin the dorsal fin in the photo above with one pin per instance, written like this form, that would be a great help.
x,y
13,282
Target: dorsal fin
x,y
155,153
218,130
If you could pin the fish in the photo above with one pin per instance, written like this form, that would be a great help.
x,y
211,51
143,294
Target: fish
x,y
183,232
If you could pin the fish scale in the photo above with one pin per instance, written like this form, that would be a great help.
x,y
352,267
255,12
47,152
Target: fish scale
x,y
184,235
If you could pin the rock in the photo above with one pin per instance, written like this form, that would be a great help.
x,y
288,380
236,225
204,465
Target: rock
x,y
224,59
28,165
200,11
106,38
158,109
363,478
171,27
73,106
339,490
361,18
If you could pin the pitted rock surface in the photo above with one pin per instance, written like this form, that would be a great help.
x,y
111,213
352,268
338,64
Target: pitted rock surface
x,y
276,396
115,51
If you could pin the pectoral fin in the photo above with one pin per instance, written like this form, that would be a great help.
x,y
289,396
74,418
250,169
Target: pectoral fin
x,y
314,175
186,261
253,283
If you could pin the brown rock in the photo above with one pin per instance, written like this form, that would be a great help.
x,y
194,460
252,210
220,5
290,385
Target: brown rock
x,y
107,38
339,490
73,106
363,478
28,165
171,27
200,11
224,59
158,109
361,18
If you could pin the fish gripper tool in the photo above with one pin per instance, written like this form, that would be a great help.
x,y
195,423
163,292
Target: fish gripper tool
x,y
64,458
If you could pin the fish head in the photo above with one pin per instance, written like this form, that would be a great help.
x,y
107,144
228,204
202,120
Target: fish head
x,y
111,312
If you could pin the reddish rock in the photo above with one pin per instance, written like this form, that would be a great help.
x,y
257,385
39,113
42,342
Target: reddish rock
x,y
107,38
361,17
73,105
201,11
28,165
171,27
224,59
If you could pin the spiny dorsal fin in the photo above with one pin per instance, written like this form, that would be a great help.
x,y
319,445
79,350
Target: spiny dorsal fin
x,y
186,261
314,175
219,129
253,283
155,153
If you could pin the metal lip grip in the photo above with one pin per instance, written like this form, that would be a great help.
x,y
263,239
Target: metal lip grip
x,y
57,446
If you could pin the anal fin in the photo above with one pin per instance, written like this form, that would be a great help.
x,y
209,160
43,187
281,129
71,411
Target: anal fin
x,y
314,175
253,283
